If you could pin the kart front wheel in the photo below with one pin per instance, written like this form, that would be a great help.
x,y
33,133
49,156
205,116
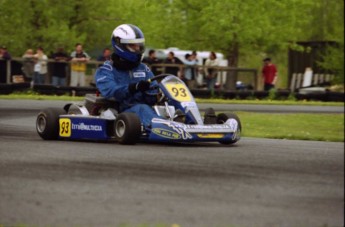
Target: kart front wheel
x,y
47,123
127,128
223,118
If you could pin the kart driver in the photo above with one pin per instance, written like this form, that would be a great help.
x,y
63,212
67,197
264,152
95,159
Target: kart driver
x,y
125,77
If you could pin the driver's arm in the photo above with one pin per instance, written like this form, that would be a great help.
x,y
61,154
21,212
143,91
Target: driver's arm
x,y
108,86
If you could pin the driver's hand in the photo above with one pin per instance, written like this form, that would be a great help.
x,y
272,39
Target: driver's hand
x,y
140,86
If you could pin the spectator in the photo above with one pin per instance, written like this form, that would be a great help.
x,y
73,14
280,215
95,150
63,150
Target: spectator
x,y
189,69
59,68
210,72
152,59
4,55
174,70
40,67
28,64
106,55
195,69
78,66
270,74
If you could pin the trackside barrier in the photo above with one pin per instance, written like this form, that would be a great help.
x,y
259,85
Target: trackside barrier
x,y
299,79
226,76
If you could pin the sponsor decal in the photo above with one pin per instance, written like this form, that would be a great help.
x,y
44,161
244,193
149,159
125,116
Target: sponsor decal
x,y
139,74
178,92
166,133
177,127
65,127
233,124
203,131
189,105
84,127
210,135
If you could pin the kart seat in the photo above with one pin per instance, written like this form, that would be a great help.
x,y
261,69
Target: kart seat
x,y
94,103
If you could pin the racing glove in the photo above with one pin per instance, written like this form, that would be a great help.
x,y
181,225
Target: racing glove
x,y
140,86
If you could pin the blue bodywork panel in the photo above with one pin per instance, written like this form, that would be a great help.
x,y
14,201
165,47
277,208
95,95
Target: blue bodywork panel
x,y
79,127
170,131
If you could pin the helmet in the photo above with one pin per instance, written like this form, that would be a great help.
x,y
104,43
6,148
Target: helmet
x,y
128,42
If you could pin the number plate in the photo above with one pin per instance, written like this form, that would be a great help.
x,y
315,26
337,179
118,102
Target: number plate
x,y
179,92
65,127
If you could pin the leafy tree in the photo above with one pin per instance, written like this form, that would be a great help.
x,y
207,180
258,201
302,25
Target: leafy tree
x,y
245,31
239,27
327,23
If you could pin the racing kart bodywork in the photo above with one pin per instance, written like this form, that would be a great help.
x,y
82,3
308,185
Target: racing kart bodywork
x,y
99,119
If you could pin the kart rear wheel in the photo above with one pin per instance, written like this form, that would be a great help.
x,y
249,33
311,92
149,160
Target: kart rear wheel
x,y
222,118
47,123
127,128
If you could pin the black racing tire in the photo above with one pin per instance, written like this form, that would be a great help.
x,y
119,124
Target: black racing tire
x,y
222,118
47,123
127,128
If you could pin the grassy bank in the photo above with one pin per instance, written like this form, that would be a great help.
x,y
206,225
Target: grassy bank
x,y
34,96
317,127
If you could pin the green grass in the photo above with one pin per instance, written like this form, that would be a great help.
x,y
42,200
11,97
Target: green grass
x,y
269,102
317,127
35,96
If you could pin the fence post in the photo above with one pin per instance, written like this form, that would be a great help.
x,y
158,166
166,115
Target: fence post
x,y
8,71
256,80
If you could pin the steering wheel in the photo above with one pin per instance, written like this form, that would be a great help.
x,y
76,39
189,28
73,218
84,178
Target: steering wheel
x,y
159,94
160,77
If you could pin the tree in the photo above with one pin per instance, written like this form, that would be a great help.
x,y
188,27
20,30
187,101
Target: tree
x,y
327,23
245,31
238,27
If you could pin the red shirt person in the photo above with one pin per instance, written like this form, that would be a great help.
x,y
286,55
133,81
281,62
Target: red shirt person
x,y
269,73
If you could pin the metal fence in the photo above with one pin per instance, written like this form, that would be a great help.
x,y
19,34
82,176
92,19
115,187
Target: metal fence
x,y
228,78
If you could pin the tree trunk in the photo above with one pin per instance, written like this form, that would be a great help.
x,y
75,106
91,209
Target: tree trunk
x,y
232,58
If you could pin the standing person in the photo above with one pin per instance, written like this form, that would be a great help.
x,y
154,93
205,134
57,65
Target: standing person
x,y
125,77
106,55
59,67
4,57
189,69
174,70
78,66
211,73
28,64
194,57
269,74
4,53
151,60
40,67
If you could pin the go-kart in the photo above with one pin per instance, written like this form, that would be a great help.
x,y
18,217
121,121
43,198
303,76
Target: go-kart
x,y
179,119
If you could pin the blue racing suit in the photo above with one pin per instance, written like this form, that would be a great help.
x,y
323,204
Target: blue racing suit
x,y
113,83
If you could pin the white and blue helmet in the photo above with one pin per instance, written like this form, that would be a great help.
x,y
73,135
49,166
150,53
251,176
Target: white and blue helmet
x,y
123,37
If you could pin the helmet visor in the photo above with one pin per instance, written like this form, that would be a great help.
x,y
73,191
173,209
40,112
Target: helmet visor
x,y
137,48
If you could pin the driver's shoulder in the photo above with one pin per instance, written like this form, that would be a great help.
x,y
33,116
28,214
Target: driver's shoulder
x,y
107,66
144,67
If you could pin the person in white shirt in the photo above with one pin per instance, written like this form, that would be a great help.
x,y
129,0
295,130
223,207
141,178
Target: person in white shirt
x,y
40,67
211,73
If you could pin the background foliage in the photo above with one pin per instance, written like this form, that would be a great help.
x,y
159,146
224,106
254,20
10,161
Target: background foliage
x,y
245,31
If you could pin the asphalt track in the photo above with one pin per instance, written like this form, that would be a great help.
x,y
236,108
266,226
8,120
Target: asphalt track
x,y
257,182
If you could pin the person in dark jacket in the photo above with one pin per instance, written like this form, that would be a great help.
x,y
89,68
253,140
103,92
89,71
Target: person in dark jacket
x,y
151,60
59,67
174,70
